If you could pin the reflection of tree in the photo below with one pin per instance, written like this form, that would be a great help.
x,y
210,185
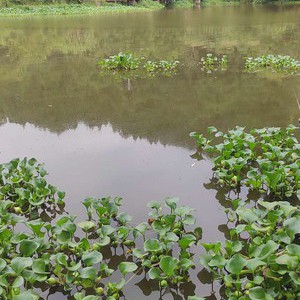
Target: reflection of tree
x,y
49,75
57,94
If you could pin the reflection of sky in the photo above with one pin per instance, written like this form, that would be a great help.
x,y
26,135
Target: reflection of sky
x,y
92,162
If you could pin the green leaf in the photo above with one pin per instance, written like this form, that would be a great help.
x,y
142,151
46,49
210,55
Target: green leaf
x,y
217,261
186,264
269,248
295,277
62,259
247,215
236,264
154,205
195,298
127,267
39,266
254,263
292,226
88,273
19,281
28,247
2,264
288,260
124,218
91,258
198,233
138,253
154,273
258,293
18,264
171,237
142,228
168,264
90,297
172,202
26,296
152,245
189,220
87,225
186,241
292,249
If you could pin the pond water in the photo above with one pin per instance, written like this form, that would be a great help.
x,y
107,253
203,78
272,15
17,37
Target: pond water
x,y
99,136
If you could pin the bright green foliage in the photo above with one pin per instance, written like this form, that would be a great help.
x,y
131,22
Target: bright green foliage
x,y
24,188
116,65
267,160
121,61
8,8
261,257
276,63
171,233
212,63
71,256
265,265
164,67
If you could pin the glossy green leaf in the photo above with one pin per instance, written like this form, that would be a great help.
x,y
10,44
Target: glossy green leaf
x,y
168,264
127,267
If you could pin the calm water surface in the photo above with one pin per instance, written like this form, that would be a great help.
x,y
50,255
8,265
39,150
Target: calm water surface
x,y
99,136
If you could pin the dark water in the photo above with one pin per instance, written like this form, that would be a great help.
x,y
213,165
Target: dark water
x,y
98,136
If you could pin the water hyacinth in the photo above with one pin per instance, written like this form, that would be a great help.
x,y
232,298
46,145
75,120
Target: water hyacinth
x,y
266,160
42,246
212,63
276,63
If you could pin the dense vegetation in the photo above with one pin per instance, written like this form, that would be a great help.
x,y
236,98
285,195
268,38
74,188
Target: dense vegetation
x,y
42,245
115,64
260,258
69,7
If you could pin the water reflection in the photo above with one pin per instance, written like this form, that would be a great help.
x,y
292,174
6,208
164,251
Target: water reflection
x,y
99,138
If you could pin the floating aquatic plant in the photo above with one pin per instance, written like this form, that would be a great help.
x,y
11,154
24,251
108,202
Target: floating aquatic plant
x,y
212,62
120,61
164,67
40,250
277,63
261,260
267,159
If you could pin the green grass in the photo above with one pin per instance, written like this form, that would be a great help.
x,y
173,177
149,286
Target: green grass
x,y
183,4
71,9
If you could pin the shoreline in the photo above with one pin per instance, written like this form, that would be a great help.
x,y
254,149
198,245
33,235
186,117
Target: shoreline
x,y
71,9
86,9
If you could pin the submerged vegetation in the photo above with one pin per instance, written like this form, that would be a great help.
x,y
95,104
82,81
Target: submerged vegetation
x,y
276,63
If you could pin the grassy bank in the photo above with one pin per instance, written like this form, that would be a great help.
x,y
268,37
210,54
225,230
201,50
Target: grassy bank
x,y
74,9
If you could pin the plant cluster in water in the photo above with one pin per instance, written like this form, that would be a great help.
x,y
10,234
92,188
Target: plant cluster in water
x,y
212,62
40,249
266,160
261,257
164,67
127,62
276,63
121,61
